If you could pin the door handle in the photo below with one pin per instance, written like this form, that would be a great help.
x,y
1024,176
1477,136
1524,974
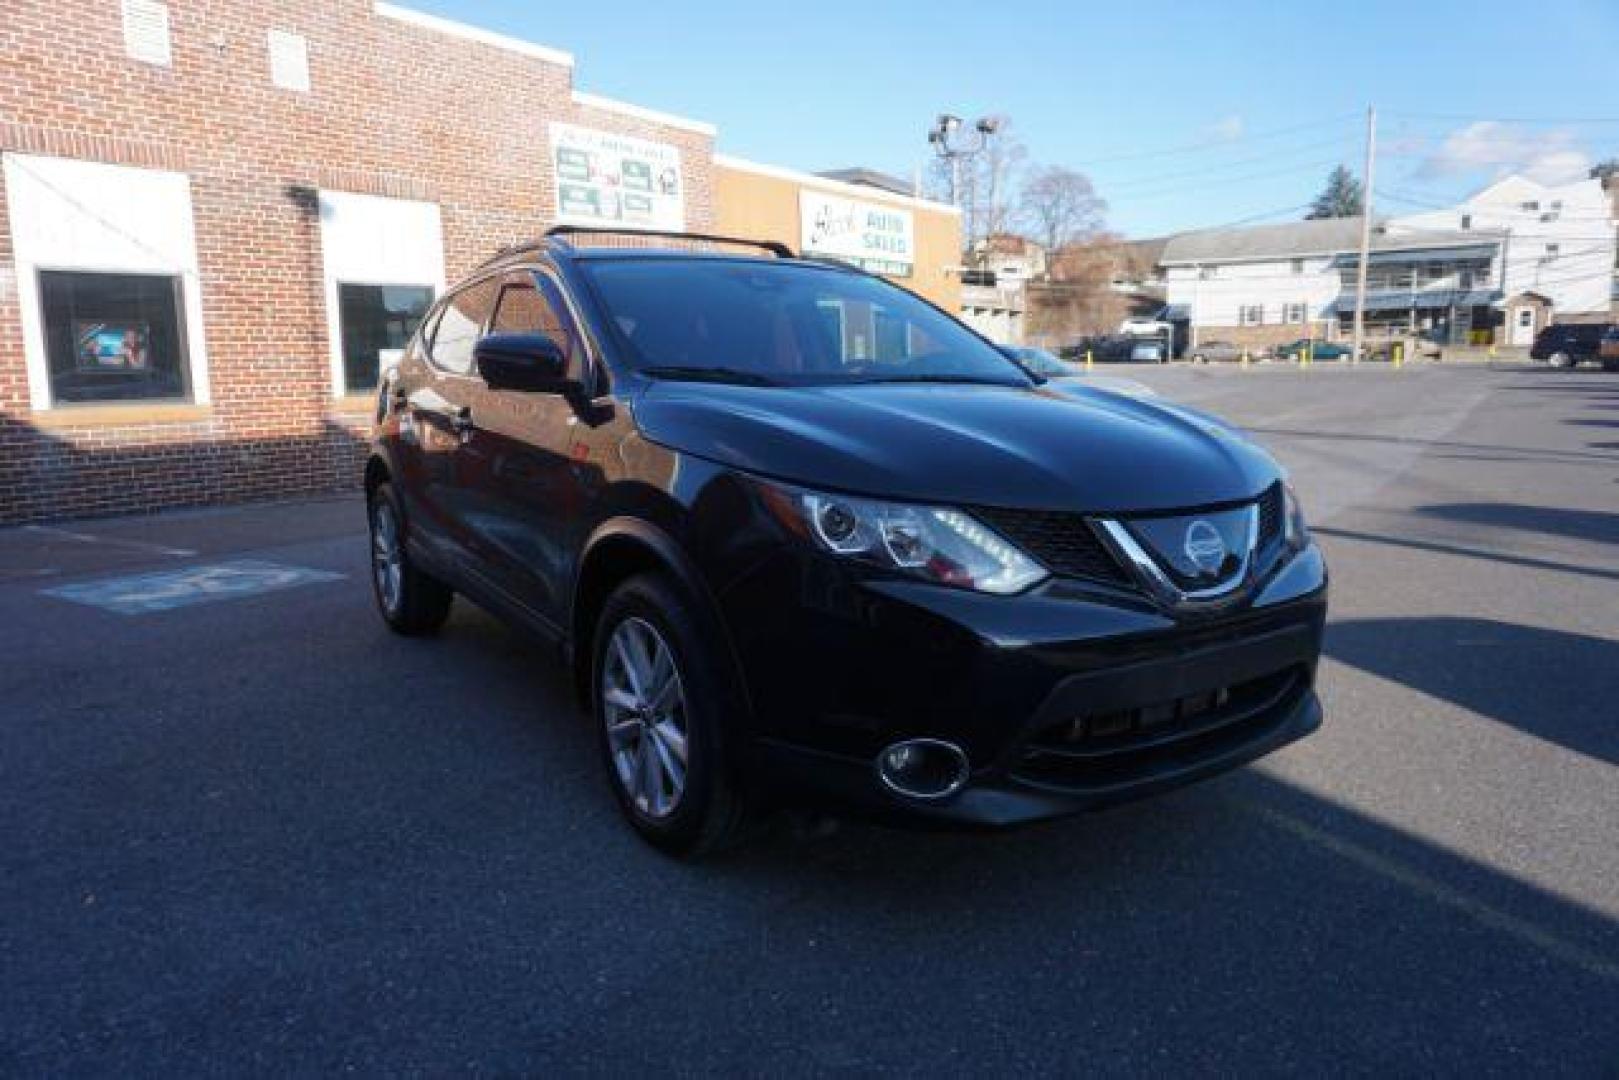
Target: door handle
x,y
461,420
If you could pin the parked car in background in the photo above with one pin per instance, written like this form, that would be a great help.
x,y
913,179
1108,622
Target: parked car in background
x,y
1065,377
1565,345
1150,351
1146,326
1608,349
789,564
1210,352
1119,349
1319,350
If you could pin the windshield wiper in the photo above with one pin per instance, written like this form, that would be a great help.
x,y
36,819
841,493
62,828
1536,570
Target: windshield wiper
x,y
699,373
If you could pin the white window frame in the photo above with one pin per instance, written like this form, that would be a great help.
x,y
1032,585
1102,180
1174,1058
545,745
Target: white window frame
x,y
86,217
363,242
1295,313
1251,315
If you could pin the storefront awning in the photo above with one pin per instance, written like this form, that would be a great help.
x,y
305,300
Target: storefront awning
x,y
1418,301
1427,255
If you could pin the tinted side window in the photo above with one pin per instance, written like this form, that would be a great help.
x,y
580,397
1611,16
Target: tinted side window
x,y
461,325
529,304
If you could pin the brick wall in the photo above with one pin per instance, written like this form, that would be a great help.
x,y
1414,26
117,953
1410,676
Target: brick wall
x,y
395,109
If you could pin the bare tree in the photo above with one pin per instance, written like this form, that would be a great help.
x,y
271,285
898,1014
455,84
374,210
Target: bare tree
x,y
1059,206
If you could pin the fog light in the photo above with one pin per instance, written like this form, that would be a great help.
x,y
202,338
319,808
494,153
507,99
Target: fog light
x,y
923,768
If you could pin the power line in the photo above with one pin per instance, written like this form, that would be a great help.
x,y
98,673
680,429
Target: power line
x,y
1180,189
1205,170
1215,143
1506,119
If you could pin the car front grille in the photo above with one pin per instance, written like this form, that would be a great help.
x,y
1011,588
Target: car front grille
x,y
1122,746
1063,543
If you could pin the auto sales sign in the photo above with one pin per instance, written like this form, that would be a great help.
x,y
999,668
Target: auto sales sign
x,y
881,239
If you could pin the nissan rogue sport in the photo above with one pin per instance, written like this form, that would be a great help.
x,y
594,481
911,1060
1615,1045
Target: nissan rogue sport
x,y
804,537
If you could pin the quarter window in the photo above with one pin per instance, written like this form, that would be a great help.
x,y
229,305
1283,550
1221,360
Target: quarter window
x,y
377,322
114,337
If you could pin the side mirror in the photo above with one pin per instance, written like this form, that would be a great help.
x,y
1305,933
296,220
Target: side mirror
x,y
528,362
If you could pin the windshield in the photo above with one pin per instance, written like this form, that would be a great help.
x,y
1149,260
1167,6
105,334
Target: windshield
x,y
785,324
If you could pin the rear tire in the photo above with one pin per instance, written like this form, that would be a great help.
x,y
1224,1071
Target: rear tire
x,y
1561,360
663,698
411,601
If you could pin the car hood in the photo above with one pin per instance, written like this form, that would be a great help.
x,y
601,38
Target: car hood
x,y
984,445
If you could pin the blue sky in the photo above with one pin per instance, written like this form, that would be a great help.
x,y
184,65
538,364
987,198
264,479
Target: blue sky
x,y
1184,114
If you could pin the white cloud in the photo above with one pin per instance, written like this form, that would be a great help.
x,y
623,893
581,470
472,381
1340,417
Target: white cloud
x,y
1489,146
1226,129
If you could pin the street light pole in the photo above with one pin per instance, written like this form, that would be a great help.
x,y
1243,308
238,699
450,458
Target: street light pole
x,y
943,138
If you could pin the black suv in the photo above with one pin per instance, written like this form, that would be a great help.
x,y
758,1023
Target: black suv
x,y
1565,345
804,537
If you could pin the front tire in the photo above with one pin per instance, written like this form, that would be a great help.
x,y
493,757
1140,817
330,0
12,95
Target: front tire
x,y
411,601
1561,360
663,700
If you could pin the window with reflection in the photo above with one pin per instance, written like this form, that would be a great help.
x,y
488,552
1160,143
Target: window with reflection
x,y
114,337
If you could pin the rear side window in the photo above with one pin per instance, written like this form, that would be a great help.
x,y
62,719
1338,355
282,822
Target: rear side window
x,y
460,325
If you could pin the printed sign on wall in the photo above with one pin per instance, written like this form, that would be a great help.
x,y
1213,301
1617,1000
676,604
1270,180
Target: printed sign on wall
x,y
881,239
616,180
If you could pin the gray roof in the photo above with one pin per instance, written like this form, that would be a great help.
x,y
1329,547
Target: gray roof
x,y
870,178
1327,236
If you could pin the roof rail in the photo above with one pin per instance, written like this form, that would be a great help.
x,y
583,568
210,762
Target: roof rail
x,y
512,249
776,248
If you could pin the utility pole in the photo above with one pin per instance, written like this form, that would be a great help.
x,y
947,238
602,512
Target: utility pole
x,y
1365,230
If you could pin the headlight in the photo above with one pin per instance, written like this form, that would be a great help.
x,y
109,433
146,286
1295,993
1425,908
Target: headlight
x,y
933,543
1297,535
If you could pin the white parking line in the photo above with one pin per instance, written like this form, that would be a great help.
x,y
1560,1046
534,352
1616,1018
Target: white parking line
x,y
112,541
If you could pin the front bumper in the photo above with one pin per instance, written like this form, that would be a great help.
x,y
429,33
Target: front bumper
x,y
1065,699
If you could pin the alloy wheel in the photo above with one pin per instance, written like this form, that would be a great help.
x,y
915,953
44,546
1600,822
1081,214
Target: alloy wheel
x,y
644,708
387,559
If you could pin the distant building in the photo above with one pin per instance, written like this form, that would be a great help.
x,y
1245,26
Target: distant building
x,y
1494,269
995,286
872,178
1557,247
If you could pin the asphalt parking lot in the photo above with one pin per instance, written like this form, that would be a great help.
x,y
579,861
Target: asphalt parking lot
x,y
261,834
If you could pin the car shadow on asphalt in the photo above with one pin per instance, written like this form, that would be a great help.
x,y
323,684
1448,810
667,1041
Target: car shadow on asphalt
x,y
1503,671
1439,548
1595,526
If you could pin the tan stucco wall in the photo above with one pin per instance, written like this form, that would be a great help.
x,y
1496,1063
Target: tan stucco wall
x,y
760,206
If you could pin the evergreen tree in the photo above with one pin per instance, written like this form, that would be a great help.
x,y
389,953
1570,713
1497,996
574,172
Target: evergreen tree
x,y
1341,197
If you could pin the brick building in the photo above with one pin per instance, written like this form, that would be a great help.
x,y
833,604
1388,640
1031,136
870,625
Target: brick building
x,y
218,217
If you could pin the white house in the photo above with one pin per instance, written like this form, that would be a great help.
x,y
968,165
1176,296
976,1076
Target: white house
x,y
1558,248
1274,283
1496,268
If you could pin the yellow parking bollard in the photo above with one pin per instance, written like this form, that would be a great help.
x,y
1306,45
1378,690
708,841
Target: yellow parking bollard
x,y
1399,354
1089,363
1245,359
